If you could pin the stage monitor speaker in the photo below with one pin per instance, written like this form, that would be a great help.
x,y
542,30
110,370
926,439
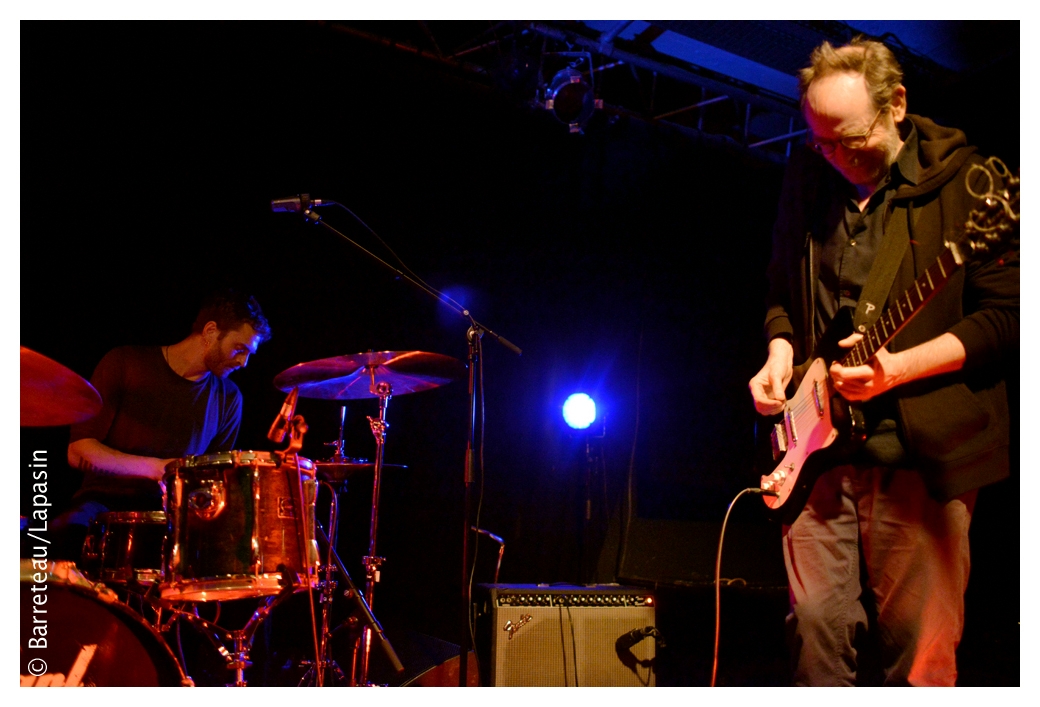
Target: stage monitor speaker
x,y
565,636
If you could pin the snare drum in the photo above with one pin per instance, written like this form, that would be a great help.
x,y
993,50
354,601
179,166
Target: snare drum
x,y
234,519
125,548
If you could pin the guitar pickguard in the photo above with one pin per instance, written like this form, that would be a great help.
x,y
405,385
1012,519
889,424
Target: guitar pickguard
x,y
807,427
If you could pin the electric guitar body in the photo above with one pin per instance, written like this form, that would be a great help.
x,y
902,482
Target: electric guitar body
x,y
817,430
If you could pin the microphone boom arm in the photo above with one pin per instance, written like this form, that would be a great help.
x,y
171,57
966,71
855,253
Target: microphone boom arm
x,y
313,217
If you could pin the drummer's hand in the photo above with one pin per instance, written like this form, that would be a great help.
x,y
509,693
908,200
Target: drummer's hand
x,y
160,471
159,468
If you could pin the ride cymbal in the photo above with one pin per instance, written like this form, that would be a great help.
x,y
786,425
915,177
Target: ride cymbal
x,y
355,376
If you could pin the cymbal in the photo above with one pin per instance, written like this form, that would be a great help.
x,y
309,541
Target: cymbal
x,y
351,377
52,395
337,471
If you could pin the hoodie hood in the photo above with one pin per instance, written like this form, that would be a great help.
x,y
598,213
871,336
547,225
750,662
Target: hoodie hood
x,y
941,152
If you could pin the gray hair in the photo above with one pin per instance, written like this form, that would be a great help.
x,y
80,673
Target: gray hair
x,y
872,60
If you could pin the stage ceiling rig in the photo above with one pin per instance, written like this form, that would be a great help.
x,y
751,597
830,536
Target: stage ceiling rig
x,y
724,80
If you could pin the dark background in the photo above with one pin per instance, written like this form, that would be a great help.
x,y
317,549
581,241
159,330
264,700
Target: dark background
x,y
627,262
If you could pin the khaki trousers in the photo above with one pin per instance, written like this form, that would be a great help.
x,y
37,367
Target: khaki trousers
x,y
915,554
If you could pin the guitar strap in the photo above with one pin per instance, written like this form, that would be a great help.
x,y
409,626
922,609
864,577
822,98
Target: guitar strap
x,y
890,254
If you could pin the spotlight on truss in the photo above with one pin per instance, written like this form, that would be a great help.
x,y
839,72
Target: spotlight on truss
x,y
571,99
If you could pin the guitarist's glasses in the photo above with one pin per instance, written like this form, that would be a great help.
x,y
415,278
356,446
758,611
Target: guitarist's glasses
x,y
852,142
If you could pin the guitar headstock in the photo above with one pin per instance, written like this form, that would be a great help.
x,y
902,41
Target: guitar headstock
x,y
992,227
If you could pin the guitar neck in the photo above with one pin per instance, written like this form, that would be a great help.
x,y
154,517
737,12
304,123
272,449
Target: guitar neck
x,y
894,318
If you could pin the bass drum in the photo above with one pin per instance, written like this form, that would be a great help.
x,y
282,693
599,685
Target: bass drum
x,y
83,636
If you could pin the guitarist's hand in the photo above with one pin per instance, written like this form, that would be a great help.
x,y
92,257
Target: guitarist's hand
x,y
885,370
860,383
768,385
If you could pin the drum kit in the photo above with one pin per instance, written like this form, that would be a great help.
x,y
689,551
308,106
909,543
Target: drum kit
x,y
238,525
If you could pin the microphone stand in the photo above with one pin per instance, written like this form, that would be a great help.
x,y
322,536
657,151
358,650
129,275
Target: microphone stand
x,y
474,334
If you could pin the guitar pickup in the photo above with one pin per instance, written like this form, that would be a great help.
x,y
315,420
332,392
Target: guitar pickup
x,y
778,438
792,432
817,390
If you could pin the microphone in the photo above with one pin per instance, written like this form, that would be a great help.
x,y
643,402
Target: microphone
x,y
626,641
281,423
298,203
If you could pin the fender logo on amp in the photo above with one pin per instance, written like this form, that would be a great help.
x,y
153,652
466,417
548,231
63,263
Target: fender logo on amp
x,y
512,628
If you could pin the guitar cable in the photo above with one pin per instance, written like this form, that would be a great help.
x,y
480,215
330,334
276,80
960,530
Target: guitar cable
x,y
718,572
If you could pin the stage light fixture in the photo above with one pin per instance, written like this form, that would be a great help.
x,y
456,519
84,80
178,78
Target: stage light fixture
x,y
571,99
579,411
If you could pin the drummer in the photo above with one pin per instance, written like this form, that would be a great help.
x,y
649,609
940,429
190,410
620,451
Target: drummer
x,y
160,403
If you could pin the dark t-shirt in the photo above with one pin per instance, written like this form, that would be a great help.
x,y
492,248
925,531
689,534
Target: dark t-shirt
x,y
149,410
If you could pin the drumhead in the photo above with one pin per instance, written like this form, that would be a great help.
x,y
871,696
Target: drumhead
x,y
76,633
113,517
235,458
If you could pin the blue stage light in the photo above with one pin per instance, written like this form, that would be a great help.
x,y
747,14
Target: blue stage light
x,y
579,411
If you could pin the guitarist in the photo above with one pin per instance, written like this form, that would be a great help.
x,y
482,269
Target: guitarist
x,y
862,214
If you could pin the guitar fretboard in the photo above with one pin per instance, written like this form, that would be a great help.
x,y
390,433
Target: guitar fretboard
x,y
902,311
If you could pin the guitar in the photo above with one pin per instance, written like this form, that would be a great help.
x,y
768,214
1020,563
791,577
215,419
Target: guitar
x,y
818,428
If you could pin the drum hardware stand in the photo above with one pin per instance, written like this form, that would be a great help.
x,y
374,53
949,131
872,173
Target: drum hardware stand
x,y
328,589
351,592
338,457
216,635
242,638
328,586
384,391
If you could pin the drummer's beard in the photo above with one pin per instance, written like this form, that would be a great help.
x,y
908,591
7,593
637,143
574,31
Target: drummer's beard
x,y
218,363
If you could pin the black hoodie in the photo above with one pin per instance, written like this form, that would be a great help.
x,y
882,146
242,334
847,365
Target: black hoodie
x,y
954,426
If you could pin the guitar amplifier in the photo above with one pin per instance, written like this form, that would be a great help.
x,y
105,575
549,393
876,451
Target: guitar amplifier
x,y
565,636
